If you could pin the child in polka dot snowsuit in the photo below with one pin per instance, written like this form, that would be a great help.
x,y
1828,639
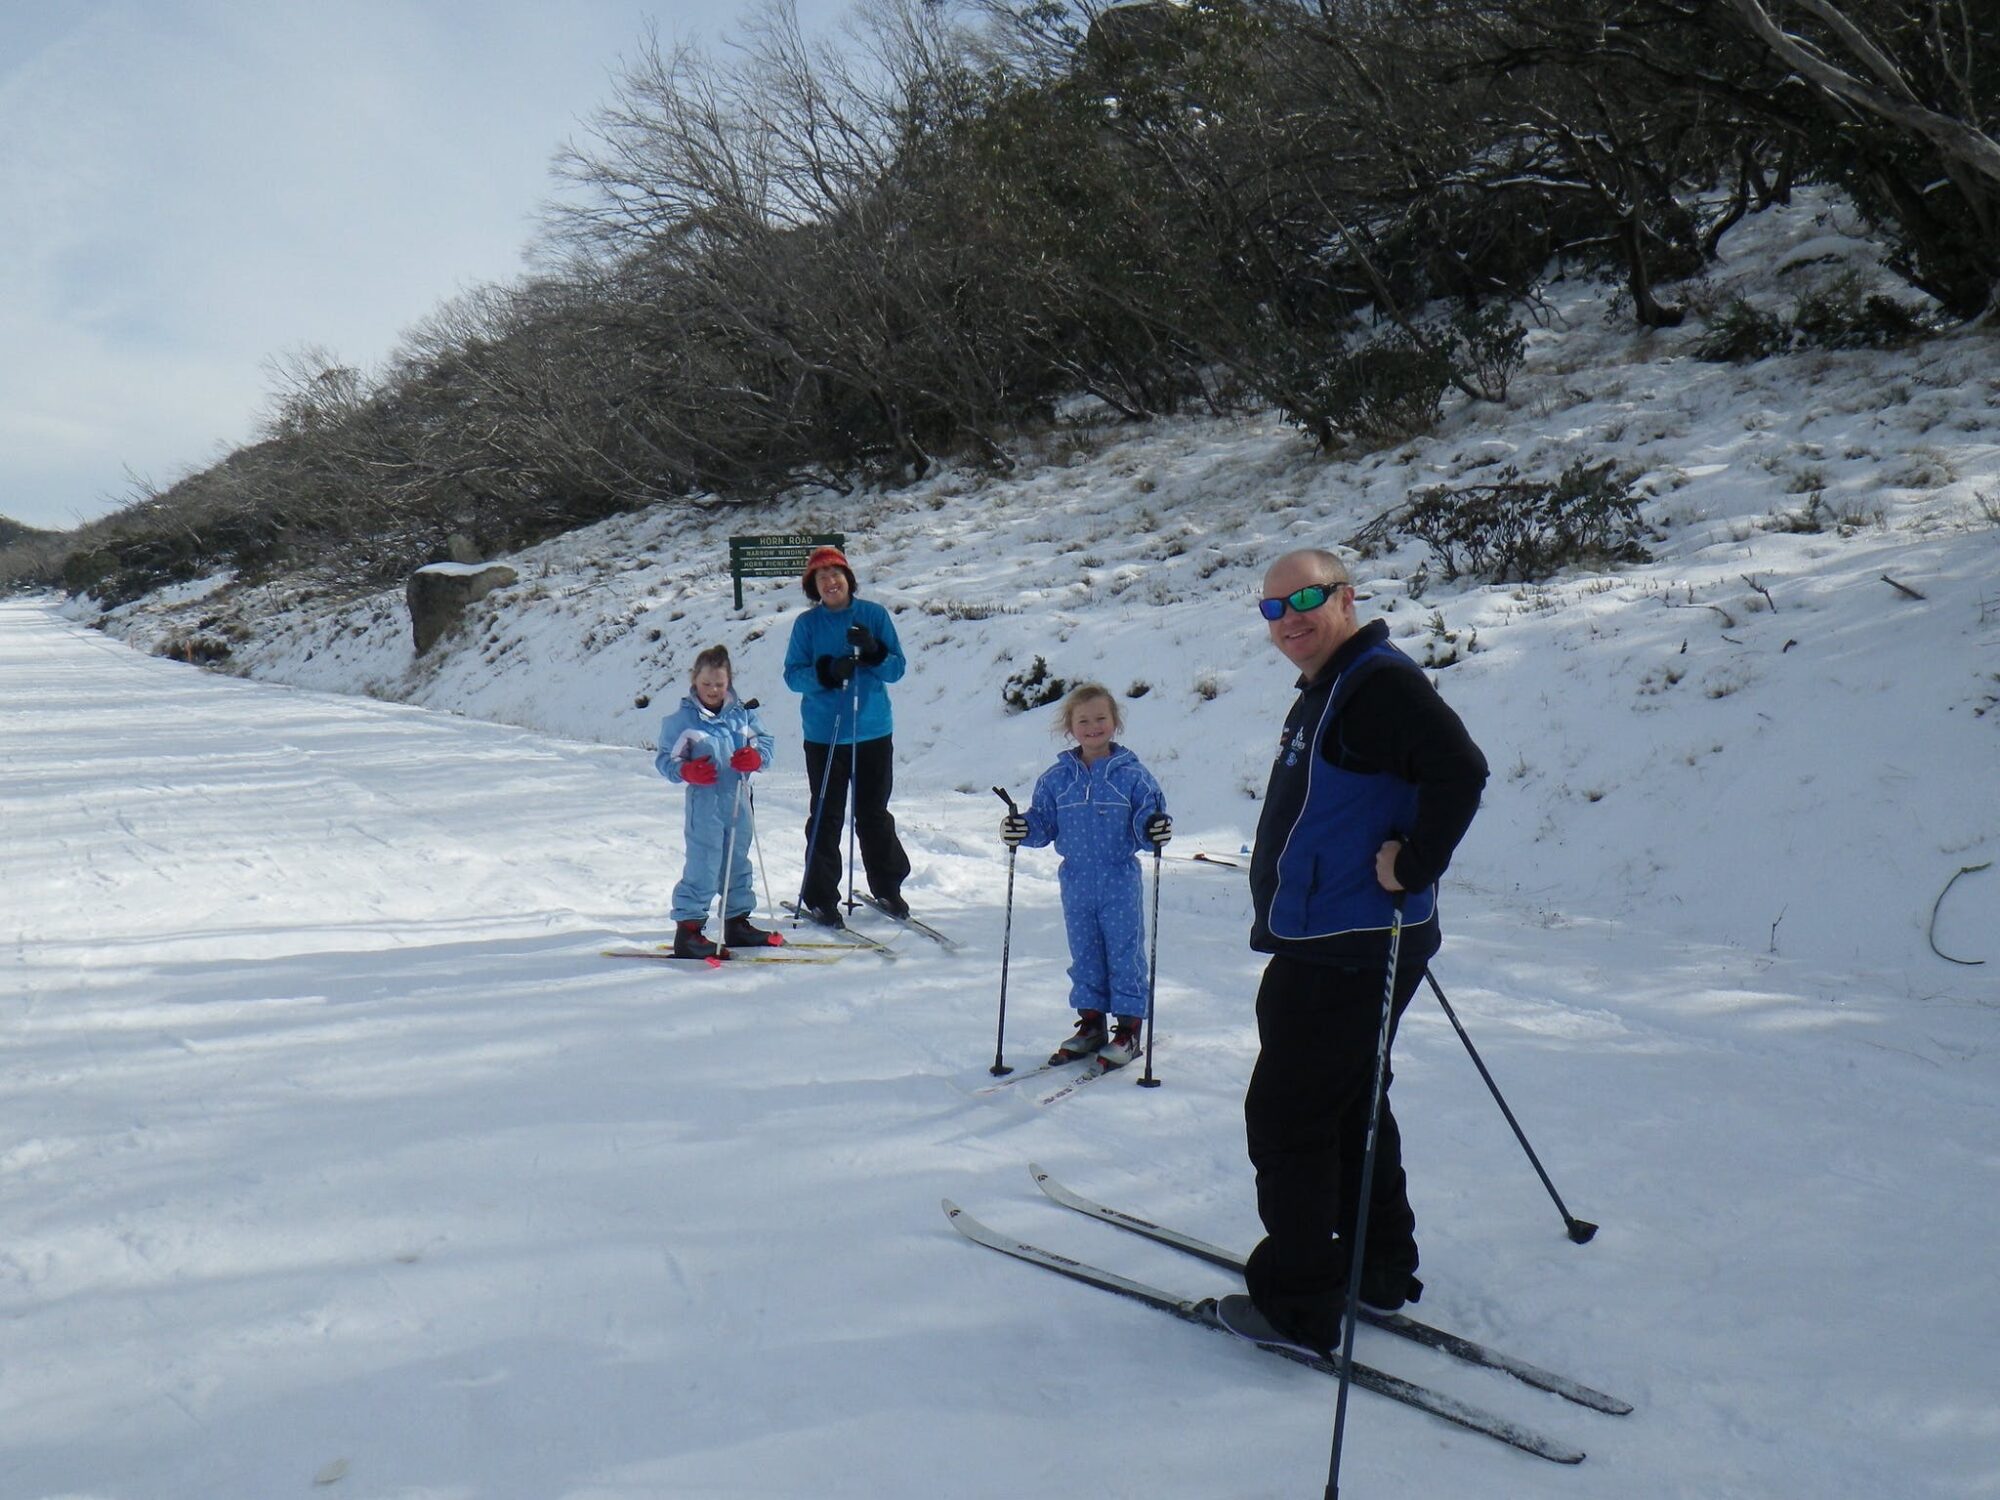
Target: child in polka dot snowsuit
x,y
1099,806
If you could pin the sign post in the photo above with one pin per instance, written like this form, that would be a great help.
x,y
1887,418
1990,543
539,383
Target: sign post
x,y
782,556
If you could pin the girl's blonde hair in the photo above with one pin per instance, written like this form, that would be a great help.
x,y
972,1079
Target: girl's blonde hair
x,y
714,656
1085,692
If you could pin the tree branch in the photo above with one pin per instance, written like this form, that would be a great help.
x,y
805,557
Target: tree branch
x,y
1957,140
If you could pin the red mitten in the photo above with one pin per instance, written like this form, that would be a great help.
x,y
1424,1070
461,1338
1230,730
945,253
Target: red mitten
x,y
746,760
698,772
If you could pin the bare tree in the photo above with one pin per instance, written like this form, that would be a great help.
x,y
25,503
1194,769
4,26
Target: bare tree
x,y
1925,74
1896,100
311,390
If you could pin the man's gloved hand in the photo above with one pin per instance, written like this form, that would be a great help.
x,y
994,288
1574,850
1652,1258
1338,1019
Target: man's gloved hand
x,y
873,653
698,772
834,671
1159,829
1013,829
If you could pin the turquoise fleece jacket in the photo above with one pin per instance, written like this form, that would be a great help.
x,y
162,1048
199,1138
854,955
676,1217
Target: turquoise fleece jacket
x,y
826,715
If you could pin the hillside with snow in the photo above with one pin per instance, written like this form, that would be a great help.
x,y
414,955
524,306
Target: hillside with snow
x,y
339,1157
1708,725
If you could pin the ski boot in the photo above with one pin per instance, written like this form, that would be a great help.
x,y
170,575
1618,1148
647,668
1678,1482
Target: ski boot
x,y
739,932
1124,1045
689,942
1089,1037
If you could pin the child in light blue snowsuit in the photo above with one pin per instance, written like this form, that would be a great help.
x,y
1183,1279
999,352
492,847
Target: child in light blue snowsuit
x,y
712,744
1099,806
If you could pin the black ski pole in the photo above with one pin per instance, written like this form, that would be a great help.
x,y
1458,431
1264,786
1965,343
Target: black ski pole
x,y
818,817
1355,1249
853,771
1006,941
1580,1230
1153,979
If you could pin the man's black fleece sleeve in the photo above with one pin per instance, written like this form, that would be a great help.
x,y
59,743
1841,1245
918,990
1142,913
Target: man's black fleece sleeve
x,y
1396,722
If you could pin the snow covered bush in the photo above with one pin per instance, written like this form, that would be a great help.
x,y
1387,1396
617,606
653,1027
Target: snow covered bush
x,y
1488,346
1740,334
1839,315
1522,531
962,609
1378,393
1842,316
1034,686
1444,646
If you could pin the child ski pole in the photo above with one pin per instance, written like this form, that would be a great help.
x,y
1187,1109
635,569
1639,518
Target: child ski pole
x,y
729,864
757,842
1153,979
1006,941
756,837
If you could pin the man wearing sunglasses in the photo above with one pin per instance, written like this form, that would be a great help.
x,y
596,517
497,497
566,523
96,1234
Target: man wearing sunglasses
x,y
1374,783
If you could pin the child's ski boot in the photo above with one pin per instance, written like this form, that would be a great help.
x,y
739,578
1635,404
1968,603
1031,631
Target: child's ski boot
x,y
1089,1038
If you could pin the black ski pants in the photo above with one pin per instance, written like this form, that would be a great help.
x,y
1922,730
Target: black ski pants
x,y
1306,1119
871,766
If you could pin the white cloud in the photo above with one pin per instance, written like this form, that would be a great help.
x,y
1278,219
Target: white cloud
x,y
191,187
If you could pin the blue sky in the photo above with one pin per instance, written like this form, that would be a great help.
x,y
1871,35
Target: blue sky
x,y
193,186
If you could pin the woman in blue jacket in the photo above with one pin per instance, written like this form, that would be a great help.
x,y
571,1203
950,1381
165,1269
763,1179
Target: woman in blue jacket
x,y
842,656
712,744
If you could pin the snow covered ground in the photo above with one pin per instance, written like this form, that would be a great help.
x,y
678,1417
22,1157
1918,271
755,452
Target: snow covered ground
x,y
336,1160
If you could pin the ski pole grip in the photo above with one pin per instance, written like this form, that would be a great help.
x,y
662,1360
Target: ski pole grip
x,y
1002,794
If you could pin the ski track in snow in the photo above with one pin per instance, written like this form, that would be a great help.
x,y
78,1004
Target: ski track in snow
x,y
330,1146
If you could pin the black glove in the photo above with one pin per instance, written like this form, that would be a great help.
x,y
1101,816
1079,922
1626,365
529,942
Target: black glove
x,y
873,653
833,671
1013,829
1159,829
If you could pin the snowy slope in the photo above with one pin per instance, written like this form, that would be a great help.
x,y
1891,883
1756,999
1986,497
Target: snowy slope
x,y
1698,719
330,1141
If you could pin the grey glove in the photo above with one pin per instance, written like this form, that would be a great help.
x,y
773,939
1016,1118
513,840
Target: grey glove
x,y
1013,829
1159,829
833,671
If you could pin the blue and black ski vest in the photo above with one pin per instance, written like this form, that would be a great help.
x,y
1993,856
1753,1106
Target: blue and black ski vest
x,y
1312,876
